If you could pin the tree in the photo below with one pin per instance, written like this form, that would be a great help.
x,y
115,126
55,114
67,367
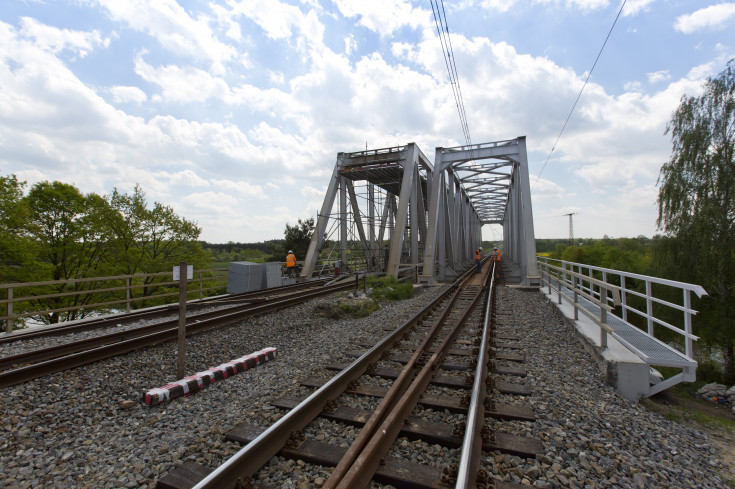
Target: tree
x,y
298,237
16,249
696,204
61,224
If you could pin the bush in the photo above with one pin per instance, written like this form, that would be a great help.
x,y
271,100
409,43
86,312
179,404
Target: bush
x,y
389,289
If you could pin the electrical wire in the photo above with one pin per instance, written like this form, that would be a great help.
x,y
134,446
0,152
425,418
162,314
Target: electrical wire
x,y
442,30
580,94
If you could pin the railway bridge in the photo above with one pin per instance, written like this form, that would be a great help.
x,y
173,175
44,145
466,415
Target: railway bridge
x,y
399,213
391,210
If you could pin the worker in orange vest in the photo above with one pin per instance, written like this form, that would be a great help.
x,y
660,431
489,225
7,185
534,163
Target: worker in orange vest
x,y
290,263
478,258
496,255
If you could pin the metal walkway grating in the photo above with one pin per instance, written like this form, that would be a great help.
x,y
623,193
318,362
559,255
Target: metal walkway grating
x,y
647,348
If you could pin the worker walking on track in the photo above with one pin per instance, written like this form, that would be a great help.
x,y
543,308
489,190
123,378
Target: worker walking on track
x,y
290,263
478,258
496,254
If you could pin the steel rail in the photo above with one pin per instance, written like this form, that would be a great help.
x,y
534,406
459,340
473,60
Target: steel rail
x,y
470,458
101,322
255,454
391,398
24,374
361,471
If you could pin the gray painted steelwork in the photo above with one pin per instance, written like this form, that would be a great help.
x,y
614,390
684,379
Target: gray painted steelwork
x,y
433,214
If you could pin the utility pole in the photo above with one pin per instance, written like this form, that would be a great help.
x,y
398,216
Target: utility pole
x,y
571,227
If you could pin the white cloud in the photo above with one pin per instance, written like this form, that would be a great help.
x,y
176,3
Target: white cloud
x,y
633,7
242,188
712,17
384,16
122,94
182,84
632,86
350,44
56,40
658,76
174,28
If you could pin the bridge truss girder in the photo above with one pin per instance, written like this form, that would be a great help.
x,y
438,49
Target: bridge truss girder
x,y
396,184
433,214
493,179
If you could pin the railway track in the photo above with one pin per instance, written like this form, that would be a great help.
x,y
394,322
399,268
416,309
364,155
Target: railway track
x,y
30,365
448,355
156,312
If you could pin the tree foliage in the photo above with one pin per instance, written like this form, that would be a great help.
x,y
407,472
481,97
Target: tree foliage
x,y
298,237
57,233
696,204
16,248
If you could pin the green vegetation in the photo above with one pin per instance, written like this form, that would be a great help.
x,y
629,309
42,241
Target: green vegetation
x,y
385,289
54,232
697,208
389,289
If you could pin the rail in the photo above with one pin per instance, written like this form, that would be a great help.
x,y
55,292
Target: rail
x,y
604,286
108,292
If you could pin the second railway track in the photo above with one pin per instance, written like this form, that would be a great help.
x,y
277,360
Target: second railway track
x,y
37,362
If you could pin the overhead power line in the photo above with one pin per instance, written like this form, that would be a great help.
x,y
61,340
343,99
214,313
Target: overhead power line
x,y
580,93
442,29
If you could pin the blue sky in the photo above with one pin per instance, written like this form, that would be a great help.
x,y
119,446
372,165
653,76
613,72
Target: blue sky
x,y
233,111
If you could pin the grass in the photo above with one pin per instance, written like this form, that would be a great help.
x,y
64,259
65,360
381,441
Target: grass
x,y
388,289
385,289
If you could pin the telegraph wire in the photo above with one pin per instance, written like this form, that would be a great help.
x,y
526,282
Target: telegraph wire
x,y
442,30
580,93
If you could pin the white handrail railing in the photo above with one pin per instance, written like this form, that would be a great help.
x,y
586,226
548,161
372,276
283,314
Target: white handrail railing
x,y
579,278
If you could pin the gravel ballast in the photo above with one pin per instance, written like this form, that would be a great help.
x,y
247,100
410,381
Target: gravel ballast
x,y
70,429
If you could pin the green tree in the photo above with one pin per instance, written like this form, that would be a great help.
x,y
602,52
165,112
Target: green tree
x,y
149,239
61,223
696,204
298,238
16,248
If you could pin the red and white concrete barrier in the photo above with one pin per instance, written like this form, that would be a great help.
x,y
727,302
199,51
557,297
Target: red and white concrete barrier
x,y
200,380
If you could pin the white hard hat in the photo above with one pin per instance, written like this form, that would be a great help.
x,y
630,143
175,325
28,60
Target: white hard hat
x,y
496,247
290,251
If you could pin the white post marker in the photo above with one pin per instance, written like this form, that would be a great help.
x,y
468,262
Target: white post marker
x,y
182,278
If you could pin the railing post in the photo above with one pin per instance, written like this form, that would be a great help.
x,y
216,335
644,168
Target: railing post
x,y
9,322
127,293
649,308
623,303
558,281
603,320
688,323
201,285
576,297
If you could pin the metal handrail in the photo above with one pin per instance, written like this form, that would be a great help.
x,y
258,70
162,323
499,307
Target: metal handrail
x,y
685,288
9,317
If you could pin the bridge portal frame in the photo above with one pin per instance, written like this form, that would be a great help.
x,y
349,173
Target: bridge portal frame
x,y
493,179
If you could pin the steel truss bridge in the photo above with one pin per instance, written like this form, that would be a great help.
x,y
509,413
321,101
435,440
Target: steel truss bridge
x,y
400,214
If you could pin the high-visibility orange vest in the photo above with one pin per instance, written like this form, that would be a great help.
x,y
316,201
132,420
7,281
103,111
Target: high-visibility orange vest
x,y
477,255
291,260
496,255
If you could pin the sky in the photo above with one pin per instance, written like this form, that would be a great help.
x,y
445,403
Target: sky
x,y
233,111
